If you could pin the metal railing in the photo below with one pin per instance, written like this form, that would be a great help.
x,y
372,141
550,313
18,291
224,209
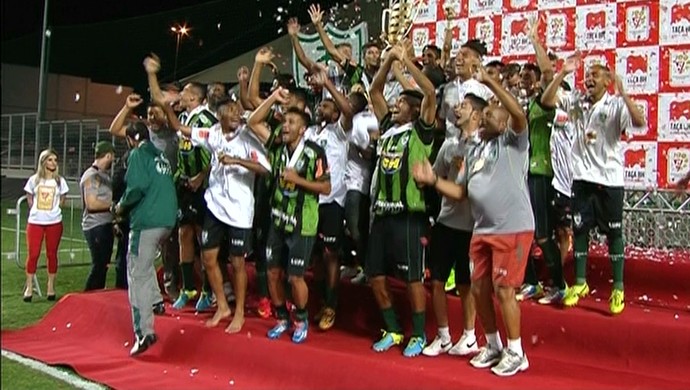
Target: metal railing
x,y
23,138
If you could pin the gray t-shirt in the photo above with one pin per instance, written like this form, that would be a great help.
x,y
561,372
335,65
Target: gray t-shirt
x,y
102,185
449,163
165,140
497,185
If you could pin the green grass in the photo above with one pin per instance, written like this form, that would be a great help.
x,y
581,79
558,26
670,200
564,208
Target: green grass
x,y
74,262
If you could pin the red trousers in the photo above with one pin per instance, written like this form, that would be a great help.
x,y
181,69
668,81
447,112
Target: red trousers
x,y
34,241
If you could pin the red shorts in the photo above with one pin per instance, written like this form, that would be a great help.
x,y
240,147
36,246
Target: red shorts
x,y
501,256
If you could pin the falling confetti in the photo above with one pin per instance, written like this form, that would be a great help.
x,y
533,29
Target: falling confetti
x,y
535,339
181,331
563,329
675,316
232,382
218,25
193,371
165,372
77,97
69,325
126,344
118,90
54,329
249,335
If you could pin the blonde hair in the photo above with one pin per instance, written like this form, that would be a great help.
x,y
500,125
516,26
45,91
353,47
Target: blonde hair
x,y
41,166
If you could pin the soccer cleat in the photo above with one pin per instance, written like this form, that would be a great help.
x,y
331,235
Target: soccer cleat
x,y
466,345
388,340
141,345
511,363
486,357
553,296
450,283
528,291
204,302
265,310
617,301
327,319
437,347
300,333
159,308
574,293
185,296
415,346
360,278
281,327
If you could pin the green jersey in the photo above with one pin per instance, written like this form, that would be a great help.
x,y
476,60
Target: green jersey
x,y
192,160
150,195
356,74
293,209
399,148
540,120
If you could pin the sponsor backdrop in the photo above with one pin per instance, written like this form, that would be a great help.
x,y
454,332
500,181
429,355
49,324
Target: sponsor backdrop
x,y
647,43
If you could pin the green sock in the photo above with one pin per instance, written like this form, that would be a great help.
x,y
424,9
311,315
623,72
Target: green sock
x,y
262,278
331,297
391,320
188,276
530,272
282,312
581,247
301,315
552,256
616,250
418,320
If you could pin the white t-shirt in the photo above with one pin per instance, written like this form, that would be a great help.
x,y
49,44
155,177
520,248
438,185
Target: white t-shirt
x,y
230,192
453,94
562,137
597,148
47,193
358,169
333,139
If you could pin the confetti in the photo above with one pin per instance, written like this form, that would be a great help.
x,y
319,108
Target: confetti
x,y
69,325
126,344
218,26
563,329
181,331
535,339
675,316
77,97
193,371
118,90
54,329
232,382
165,372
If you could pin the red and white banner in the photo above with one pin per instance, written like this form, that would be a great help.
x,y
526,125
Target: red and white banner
x,y
647,43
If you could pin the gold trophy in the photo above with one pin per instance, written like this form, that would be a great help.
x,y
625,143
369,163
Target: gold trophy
x,y
397,19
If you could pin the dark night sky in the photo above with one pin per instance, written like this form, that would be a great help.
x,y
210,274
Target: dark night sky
x,y
106,40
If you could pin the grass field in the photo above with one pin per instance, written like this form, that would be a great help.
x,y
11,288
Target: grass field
x,y
74,262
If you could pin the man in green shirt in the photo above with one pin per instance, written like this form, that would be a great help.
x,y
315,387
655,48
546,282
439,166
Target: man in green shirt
x,y
400,218
300,174
151,204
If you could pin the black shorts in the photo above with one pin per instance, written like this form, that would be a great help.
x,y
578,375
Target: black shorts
x,y
562,206
396,248
289,251
215,232
331,226
191,207
595,205
449,248
541,195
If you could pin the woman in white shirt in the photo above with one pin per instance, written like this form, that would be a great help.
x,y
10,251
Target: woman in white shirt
x,y
45,193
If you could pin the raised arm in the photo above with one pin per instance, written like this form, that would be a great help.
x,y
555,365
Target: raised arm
x,y
518,120
257,120
428,109
293,29
316,15
263,58
341,101
243,81
378,101
543,61
447,37
549,98
400,76
118,126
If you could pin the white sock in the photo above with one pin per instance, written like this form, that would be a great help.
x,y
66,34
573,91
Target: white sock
x,y
516,346
469,333
444,333
494,341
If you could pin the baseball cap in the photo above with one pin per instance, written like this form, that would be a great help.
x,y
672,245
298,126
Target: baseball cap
x,y
104,147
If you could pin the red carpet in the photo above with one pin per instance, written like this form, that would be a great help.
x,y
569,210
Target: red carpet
x,y
646,347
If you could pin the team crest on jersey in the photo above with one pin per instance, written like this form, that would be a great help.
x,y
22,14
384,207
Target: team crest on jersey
x,y
391,162
204,237
269,254
287,188
185,145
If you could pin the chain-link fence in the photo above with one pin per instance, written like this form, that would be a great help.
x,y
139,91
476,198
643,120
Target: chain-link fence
x,y
23,139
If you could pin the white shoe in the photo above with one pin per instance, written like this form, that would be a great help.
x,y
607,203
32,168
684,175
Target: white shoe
x,y
511,363
466,345
486,357
437,347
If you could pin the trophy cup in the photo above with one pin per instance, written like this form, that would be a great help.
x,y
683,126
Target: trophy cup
x,y
397,19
